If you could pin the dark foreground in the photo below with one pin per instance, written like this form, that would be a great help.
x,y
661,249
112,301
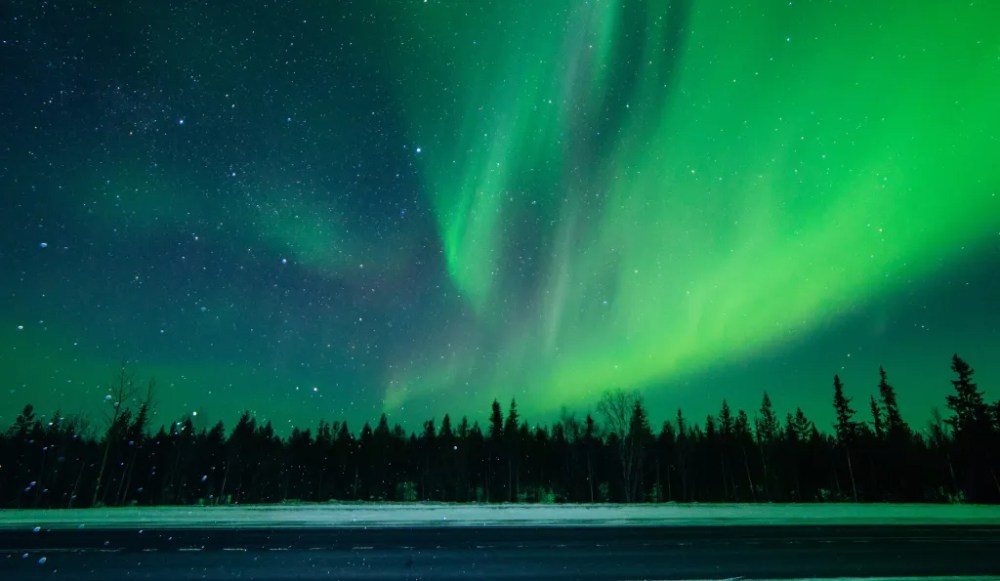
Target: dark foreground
x,y
501,553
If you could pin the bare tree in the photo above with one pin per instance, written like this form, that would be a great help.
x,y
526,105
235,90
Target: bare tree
x,y
121,390
617,408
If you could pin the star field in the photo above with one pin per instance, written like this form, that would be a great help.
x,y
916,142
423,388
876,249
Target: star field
x,y
333,210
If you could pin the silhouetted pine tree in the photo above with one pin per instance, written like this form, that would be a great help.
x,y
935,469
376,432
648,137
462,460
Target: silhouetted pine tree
x,y
894,425
446,465
970,414
976,440
640,437
847,429
664,453
682,453
876,417
495,444
743,441
53,461
512,443
382,470
590,444
766,425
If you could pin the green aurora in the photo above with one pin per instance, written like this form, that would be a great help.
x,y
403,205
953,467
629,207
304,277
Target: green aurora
x,y
707,182
419,209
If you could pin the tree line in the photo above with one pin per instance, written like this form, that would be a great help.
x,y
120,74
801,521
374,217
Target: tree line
x,y
616,457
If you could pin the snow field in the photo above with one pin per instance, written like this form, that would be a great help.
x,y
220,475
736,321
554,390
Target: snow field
x,y
360,515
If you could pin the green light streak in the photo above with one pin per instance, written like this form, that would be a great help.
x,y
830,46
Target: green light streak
x,y
702,196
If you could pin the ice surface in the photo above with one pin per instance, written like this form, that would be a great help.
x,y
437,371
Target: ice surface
x,y
479,515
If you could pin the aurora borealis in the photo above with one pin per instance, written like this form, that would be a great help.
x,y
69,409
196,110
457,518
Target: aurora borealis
x,y
333,210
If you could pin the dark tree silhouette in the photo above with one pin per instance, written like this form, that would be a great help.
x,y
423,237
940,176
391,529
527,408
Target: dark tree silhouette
x,y
617,408
766,425
50,461
847,429
120,391
512,439
876,417
976,435
893,425
640,437
970,414
494,485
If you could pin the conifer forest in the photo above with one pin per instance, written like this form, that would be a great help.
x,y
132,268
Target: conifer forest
x,y
616,454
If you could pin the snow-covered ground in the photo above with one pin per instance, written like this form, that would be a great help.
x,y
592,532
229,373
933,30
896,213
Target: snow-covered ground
x,y
477,515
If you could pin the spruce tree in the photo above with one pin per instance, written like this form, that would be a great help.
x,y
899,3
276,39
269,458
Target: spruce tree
x,y
802,426
977,442
682,446
767,423
496,422
744,439
893,422
970,414
876,417
846,428
639,436
725,420
513,419
512,449
725,425
591,443
494,450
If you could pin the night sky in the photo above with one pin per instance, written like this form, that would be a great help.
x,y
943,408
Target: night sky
x,y
334,209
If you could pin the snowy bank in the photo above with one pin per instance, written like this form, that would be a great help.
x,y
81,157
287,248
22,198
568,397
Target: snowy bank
x,y
477,515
